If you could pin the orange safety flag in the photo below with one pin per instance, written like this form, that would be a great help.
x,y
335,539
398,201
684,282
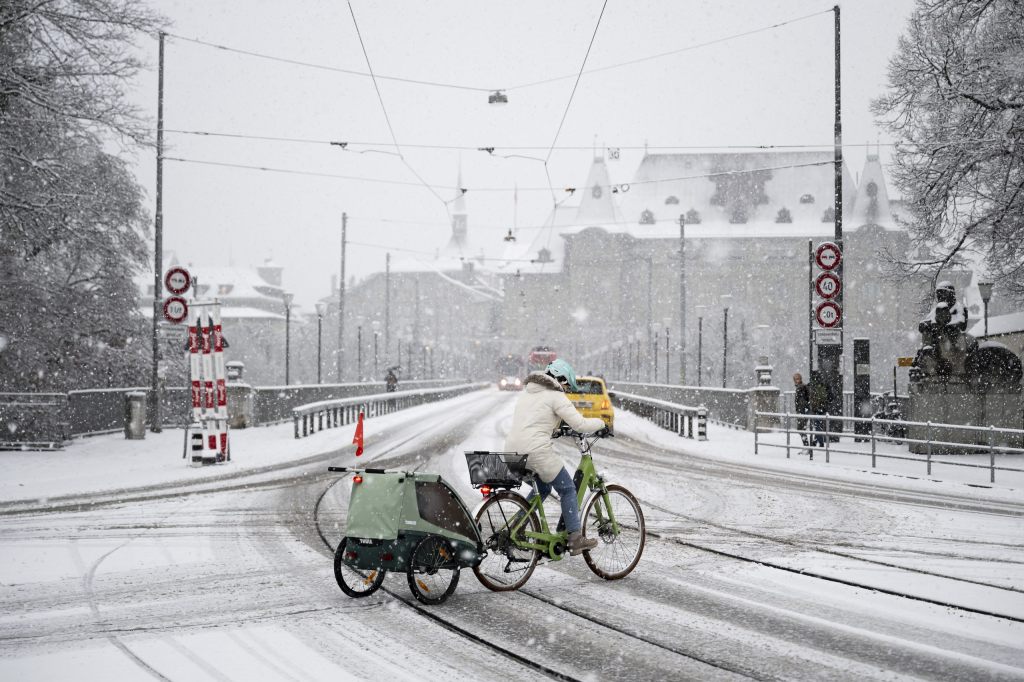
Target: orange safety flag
x,y
357,439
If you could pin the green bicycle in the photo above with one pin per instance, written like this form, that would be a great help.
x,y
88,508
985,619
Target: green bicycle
x,y
515,532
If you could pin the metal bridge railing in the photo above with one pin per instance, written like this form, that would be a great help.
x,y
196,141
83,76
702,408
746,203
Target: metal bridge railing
x,y
691,422
990,446
328,414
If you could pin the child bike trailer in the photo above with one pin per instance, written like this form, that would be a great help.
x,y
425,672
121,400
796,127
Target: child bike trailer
x,y
405,521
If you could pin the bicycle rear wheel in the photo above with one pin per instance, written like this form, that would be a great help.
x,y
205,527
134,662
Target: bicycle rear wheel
x,y
506,567
617,553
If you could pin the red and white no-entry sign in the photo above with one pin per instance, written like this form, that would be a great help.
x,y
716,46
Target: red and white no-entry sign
x,y
828,256
828,285
828,314
175,309
177,280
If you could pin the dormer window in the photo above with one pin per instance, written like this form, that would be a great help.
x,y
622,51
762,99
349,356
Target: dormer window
x,y
693,217
224,289
544,256
646,218
672,200
784,216
829,216
807,199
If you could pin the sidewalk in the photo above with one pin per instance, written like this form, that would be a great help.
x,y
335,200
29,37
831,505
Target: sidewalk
x,y
112,463
737,446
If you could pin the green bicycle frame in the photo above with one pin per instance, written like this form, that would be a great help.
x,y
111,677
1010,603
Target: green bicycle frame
x,y
547,542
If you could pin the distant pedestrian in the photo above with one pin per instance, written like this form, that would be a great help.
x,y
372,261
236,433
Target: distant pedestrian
x,y
802,402
818,394
391,380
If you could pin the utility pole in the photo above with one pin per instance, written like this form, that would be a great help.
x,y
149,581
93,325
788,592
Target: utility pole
x,y
832,369
340,354
156,423
387,305
682,301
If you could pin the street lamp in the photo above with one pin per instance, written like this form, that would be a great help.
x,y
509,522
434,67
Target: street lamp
x,y
376,354
667,322
321,310
985,289
726,299
359,352
700,344
287,298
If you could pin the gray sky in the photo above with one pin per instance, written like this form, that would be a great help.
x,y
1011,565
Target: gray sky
x,y
771,87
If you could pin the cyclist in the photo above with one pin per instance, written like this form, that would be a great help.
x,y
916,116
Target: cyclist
x,y
539,411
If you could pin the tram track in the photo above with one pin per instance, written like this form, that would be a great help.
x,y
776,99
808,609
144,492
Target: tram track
x,y
816,547
328,548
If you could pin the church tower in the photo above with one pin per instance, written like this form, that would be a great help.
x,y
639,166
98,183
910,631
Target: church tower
x,y
458,244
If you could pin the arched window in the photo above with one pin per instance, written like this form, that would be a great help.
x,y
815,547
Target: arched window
x,y
807,199
672,200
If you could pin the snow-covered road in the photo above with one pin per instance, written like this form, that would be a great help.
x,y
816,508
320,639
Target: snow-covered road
x,y
752,569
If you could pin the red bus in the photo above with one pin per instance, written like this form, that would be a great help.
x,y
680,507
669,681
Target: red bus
x,y
540,357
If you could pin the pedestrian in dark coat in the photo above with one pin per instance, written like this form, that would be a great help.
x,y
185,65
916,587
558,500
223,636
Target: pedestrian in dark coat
x,y
818,394
802,402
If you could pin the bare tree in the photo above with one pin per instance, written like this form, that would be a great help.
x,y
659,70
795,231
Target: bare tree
x,y
72,222
955,102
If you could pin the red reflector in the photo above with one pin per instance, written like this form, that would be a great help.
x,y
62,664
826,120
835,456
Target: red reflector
x,y
357,479
387,556
485,490
351,556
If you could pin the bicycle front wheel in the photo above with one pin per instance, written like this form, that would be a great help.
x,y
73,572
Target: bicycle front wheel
x,y
506,566
619,544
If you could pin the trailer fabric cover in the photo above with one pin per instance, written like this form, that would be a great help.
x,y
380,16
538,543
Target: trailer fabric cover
x,y
375,508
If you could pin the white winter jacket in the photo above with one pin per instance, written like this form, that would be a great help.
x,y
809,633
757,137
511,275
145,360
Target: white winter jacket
x,y
539,411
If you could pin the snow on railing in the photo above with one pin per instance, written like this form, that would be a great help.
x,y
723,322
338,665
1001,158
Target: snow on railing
x,y
894,431
317,416
672,416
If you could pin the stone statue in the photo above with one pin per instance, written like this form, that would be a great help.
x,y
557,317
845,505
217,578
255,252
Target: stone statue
x,y
949,354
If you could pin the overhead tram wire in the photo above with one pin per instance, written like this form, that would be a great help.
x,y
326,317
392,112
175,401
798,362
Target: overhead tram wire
x,y
561,123
570,190
688,48
325,67
492,150
457,86
387,118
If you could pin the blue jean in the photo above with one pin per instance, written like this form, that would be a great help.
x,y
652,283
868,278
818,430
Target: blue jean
x,y
567,495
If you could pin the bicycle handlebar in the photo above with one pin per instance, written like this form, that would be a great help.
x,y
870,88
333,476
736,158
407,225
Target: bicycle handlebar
x,y
564,430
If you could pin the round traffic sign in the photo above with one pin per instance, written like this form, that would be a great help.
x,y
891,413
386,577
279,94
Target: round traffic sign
x,y
175,309
828,314
177,280
828,256
828,285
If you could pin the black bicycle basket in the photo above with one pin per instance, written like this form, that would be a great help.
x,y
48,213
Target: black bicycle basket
x,y
496,469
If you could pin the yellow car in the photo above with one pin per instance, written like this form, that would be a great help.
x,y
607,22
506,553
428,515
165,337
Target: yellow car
x,y
593,400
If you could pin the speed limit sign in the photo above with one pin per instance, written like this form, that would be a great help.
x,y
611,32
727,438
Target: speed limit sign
x,y
828,256
828,314
175,309
828,285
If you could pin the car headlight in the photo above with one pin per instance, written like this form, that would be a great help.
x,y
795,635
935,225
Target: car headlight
x,y
503,382
518,382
